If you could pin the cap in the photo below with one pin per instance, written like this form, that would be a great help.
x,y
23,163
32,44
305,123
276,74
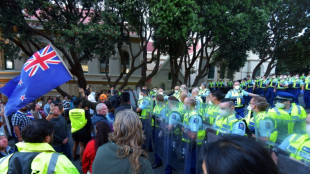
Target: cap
x,y
284,96
2,134
103,97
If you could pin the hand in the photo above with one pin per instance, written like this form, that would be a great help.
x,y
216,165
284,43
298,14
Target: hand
x,y
20,139
81,90
65,141
302,92
52,107
274,91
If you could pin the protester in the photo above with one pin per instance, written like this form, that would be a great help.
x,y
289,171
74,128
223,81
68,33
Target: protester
x,y
102,131
5,149
47,106
101,112
19,122
235,155
124,154
60,136
125,103
41,157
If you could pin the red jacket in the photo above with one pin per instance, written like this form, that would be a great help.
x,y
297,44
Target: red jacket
x,y
88,156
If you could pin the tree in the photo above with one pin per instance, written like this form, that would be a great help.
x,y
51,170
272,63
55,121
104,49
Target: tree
x,y
173,22
225,32
287,20
76,28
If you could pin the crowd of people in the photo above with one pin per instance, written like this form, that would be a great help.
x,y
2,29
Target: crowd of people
x,y
114,130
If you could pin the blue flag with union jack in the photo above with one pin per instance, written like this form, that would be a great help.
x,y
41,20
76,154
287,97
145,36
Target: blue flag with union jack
x,y
42,72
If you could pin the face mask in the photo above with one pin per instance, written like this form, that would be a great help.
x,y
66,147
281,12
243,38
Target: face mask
x,y
200,88
308,129
176,91
224,112
279,105
160,93
210,102
249,108
237,87
140,97
155,90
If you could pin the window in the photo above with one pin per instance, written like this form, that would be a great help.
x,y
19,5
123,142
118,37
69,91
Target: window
x,y
8,63
169,76
211,72
258,72
104,66
84,64
125,61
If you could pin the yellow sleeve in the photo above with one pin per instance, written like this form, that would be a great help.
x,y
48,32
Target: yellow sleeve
x,y
64,165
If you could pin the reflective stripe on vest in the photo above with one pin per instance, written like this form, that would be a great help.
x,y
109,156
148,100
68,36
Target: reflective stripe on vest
x,y
53,162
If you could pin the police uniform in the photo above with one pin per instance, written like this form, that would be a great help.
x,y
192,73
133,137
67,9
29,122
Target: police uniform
x,y
239,99
263,126
249,88
288,121
262,87
307,92
272,82
279,87
229,125
146,106
212,112
38,158
295,87
203,93
298,145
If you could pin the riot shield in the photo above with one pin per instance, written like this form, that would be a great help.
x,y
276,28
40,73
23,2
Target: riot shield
x,y
159,126
146,119
173,140
265,127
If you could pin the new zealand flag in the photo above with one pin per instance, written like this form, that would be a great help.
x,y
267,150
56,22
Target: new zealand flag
x,y
42,72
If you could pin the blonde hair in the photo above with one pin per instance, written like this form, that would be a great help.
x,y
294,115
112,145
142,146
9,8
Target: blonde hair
x,y
128,135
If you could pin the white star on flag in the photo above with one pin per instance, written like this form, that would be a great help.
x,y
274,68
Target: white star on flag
x,y
20,82
22,98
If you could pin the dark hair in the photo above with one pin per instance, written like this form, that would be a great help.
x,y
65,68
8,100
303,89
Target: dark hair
x,y
173,98
125,97
238,155
145,91
218,95
76,102
261,103
59,105
102,135
37,130
32,106
230,101
160,98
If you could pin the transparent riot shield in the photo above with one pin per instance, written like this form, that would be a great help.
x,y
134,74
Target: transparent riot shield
x,y
265,127
174,146
159,126
146,104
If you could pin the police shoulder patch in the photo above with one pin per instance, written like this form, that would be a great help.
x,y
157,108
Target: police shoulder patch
x,y
241,126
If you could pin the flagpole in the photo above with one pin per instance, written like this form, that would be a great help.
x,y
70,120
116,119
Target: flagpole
x,y
7,123
61,60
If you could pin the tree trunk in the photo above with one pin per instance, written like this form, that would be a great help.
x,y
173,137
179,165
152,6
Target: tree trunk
x,y
257,67
62,92
269,67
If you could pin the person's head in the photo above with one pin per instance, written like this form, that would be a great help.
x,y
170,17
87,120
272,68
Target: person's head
x,y
102,109
172,101
284,100
195,92
3,141
38,131
203,85
226,107
297,76
235,155
102,134
236,85
159,98
144,92
215,97
49,101
76,102
103,98
128,134
189,103
161,91
248,77
183,95
57,110
125,97
176,89
258,104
